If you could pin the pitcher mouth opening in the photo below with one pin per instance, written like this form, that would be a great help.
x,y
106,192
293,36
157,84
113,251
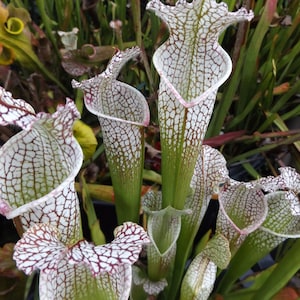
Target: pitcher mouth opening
x,y
223,76
10,212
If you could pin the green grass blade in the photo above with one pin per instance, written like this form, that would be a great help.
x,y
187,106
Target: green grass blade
x,y
221,111
249,75
284,271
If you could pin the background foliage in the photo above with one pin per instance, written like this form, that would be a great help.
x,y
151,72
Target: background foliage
x,y
256,119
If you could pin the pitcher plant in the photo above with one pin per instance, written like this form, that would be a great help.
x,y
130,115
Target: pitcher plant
x,y
161,258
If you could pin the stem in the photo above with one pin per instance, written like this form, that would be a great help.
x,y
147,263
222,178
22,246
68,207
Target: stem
x,y
284,271
147,69
241,36
127,186
79,23
47,23
18,226
136,14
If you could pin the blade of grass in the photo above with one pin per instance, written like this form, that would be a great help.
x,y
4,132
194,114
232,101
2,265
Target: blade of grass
x,y
249,74
284,271
256,281
47,23
282,126
136,15
221,111
291,114
244,156
295,89
249,168
240,117
286,37
78,22
288,60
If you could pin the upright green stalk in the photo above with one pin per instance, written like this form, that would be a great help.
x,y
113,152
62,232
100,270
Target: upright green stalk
x,y
249,75
136,14
47,23
286,268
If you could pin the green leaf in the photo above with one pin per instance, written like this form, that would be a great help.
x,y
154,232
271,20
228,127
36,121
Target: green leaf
x,y
249,74
256,281
283,272
257,245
